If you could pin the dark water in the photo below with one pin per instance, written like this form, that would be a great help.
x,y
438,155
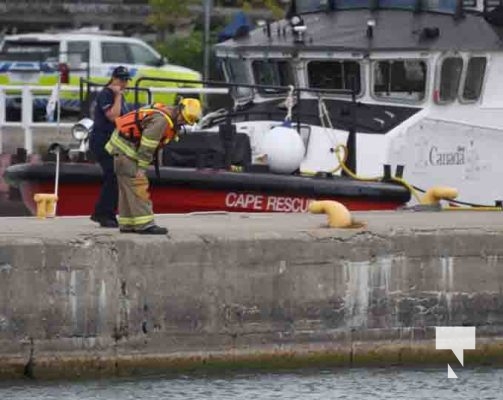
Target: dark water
x,y
334,384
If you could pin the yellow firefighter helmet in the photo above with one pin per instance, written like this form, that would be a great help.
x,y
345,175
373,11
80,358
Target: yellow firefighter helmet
x,y
191,110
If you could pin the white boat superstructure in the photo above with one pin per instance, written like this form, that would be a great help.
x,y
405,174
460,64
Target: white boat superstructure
x,y
426,80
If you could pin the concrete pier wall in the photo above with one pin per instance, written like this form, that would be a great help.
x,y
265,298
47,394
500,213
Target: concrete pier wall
x,y
263,291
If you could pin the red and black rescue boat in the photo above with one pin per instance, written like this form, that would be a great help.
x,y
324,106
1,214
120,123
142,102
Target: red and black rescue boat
x,y
183,190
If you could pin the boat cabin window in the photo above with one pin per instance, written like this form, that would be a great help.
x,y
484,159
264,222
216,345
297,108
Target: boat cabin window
x,y
450,76
272,73
400,79
336,75
474,78
236,71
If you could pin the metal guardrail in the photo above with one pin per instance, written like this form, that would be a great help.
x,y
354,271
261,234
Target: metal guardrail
x,y
281,90
27,123
231,86
27,96
284,91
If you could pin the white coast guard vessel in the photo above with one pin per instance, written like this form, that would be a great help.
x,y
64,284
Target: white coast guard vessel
x,y
428,84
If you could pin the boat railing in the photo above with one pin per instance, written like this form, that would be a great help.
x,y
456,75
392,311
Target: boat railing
x,y
26,123
453,7
27,95
220,84
88,86
283,91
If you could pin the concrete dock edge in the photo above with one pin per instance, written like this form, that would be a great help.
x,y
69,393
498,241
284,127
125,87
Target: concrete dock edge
x,y
241,292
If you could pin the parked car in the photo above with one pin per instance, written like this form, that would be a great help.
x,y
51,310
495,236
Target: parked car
x,y
39,58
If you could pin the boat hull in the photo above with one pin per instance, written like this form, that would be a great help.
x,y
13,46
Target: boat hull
x,y
183,190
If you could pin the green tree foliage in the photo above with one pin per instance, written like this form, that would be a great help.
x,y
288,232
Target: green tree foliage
x,y
189,50
166,14
275,6
186,51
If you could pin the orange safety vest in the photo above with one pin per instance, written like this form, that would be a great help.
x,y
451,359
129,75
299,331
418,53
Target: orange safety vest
x,y
130,128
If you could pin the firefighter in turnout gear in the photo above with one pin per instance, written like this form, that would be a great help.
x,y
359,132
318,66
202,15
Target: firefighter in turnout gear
x,y
134,143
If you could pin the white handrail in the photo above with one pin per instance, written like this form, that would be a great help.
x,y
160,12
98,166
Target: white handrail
x,y
190,90
27,123
38,88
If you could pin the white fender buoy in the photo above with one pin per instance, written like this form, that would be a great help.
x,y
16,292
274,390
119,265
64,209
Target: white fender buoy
x,y
284,148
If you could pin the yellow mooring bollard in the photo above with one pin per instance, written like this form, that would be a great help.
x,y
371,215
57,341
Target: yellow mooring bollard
x,y
46,204
435,194
338,215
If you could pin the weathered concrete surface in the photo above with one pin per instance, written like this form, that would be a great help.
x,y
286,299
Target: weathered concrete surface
x,y
231,290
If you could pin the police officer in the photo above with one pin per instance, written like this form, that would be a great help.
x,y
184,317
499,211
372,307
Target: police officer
x,y
110,104
139,135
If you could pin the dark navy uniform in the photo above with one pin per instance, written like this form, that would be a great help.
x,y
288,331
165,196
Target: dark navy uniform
x,y
106,206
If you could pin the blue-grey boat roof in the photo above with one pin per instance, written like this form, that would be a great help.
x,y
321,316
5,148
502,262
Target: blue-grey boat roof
x,y
395,30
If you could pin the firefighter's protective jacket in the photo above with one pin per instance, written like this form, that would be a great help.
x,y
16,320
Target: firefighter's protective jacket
x,y
139,134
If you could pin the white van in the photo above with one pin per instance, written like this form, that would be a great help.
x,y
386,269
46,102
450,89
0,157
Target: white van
x,y
38,58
